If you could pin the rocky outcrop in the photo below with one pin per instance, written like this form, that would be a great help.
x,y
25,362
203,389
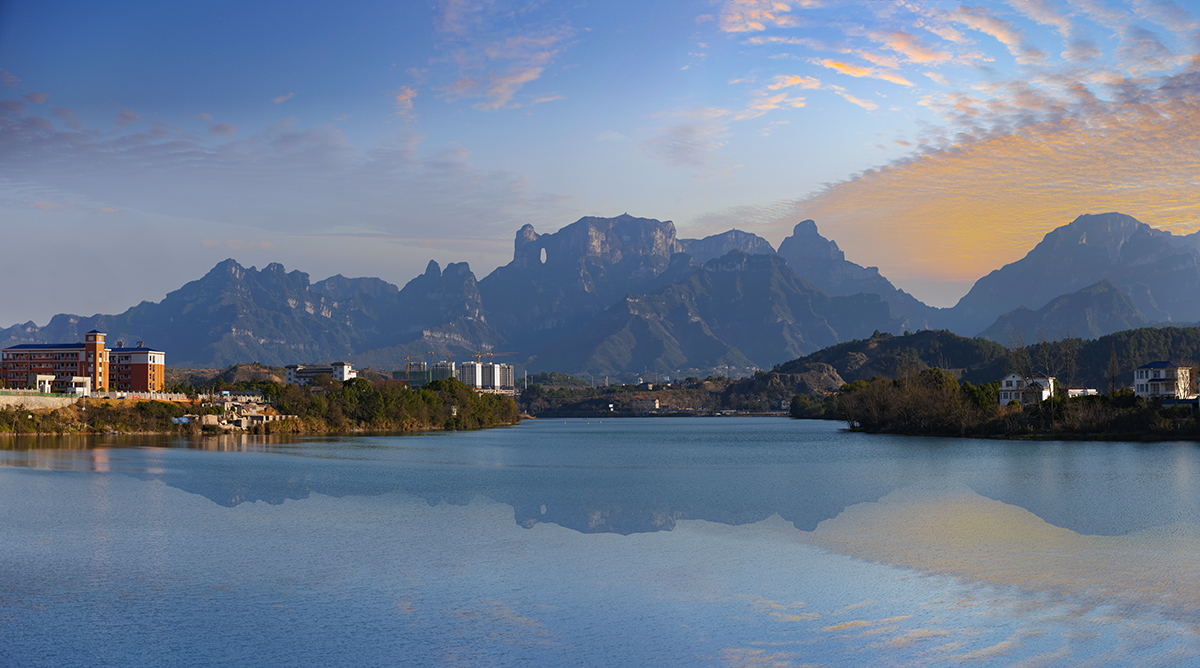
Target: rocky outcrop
x,y
820,261
711,247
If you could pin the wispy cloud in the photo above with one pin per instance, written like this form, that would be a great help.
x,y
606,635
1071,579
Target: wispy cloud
x,y
857,71
283,98
403,103
108,209
690,137
1013,39
8,78
494,64
66,117
223,130
36,98
126,117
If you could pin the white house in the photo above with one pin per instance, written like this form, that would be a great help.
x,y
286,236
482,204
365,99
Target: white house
x,y
1164,380
1014,387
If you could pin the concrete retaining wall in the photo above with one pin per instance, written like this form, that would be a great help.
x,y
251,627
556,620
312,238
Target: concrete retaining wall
x,y
35,403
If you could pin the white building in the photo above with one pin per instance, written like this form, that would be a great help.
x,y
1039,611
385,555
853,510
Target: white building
x,y
301,374
1163,380
1026,390
487,377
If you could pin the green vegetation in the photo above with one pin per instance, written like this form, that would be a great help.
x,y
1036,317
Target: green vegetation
x,y
932,402
361,405
356,405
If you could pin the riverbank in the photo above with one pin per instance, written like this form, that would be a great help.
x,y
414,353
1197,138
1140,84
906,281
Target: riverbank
x,y
353,407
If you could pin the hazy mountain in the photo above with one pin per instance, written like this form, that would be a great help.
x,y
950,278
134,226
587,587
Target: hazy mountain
x,y
1089,313
737,310
624,294
1159,271
820,261
708,248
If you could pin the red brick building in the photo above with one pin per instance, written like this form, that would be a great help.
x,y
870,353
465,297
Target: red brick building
x,y
64,367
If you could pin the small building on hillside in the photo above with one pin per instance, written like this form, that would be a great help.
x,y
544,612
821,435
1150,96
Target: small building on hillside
x,y
1164,380
1026,391
302,374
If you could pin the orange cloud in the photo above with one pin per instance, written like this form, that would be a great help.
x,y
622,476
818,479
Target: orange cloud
x,y
955,213
759,15
856,71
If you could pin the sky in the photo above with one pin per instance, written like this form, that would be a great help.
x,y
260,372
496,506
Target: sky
x,y
141,143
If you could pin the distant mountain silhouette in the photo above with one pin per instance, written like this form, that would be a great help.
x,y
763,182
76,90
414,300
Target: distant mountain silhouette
x,y
820,261
1159,271
1089,313
624,294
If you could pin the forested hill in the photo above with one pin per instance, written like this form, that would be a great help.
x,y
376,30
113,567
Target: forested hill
x,y
1100,363
887,355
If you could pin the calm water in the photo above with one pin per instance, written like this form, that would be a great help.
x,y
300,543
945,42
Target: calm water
x,y
674,542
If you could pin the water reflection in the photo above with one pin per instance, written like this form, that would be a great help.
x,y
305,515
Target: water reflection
x,y
646,475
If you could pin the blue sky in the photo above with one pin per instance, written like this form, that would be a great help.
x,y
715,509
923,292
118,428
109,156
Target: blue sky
x,y
141,143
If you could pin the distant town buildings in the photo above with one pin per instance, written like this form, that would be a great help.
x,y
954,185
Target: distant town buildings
x,y
1164,380
84,367
302,374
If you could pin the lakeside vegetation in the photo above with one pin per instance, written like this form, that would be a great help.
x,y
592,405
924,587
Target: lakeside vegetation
x,y
328,406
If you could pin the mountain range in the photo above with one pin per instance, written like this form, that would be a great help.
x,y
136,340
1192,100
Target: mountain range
x,y
625,295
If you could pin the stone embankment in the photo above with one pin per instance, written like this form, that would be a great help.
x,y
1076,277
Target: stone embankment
x,y
35,402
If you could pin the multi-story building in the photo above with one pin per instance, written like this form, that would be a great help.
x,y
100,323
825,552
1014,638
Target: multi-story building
x,y
487,376
302,374
1164,380
136,369
83,367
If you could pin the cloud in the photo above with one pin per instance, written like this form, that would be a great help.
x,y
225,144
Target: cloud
x,y
691,138
856,71
1041,12
910,47
36,98
283,98
282,178
206,117
1167,13
403,103
756,15
865,104
786,81
224,130
989,191
8,78
67,117
493,62
126,118
978,19
108,209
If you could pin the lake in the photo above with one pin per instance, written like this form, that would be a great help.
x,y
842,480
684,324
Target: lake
x,y
664,542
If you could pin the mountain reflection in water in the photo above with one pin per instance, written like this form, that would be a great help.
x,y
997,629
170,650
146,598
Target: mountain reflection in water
x,y
745,541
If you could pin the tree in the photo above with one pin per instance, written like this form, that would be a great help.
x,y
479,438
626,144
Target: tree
x,y
1114,369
